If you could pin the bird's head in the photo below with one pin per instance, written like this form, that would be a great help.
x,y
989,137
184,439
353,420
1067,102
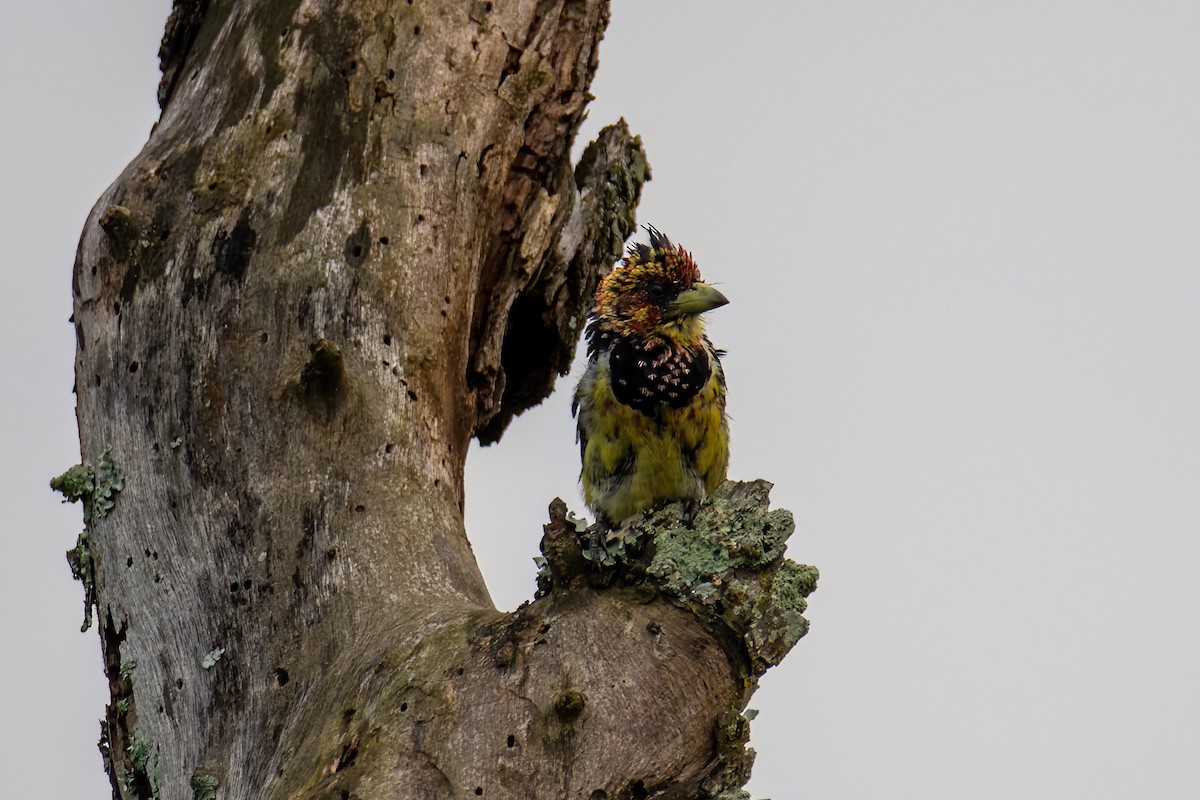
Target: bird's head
x,y
656,291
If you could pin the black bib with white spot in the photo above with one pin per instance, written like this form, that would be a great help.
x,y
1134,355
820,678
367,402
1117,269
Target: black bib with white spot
x,y
648,373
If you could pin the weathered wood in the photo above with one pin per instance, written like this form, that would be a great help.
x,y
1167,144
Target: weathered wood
x,y
353,242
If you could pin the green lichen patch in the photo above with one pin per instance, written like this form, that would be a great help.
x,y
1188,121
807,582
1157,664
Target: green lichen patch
x,y
724,561
137,779
96,487
76,483
204,786
733,759
781,622
613,169
79,559
139,752
109,483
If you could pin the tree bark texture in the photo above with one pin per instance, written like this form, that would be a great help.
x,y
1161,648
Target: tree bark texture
x,y
353,242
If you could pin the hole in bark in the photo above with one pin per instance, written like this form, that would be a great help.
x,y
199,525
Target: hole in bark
x,y
281,677
422,169
512,63
416,30
116,308
233,587
387,339
437,482
179,683
93,270
391,74
444,315
638,791
357,245
446,299
232,250
383,240
212,187
480,165
512,740
360,508
353,66
129,561
263,337
133,366
568,705
389,448
246,584
97,380
478,791
349,754
420,217
323,377
412,396
403,707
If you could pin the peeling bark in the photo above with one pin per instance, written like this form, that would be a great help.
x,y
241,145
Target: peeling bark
x,y
353,242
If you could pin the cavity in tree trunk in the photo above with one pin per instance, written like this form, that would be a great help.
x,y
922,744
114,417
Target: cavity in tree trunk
x,y
353,242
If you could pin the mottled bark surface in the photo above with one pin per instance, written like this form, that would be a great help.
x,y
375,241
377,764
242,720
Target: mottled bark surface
x,y
354,241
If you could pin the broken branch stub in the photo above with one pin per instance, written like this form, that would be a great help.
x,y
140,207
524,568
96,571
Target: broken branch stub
x,y
725,563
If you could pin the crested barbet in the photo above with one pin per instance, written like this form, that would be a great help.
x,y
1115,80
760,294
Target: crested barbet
x,y
650,409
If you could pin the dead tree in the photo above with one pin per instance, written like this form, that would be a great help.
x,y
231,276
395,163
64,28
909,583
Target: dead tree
x,y
353,242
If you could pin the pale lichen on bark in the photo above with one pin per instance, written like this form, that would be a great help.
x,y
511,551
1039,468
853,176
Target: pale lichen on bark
x,y
724,563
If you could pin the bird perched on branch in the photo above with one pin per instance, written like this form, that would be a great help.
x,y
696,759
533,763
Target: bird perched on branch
x,y
650,408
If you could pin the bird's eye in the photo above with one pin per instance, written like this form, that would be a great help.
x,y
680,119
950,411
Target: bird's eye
x,y
656,291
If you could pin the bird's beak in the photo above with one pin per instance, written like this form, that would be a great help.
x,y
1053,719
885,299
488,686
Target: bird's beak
x,y
700,298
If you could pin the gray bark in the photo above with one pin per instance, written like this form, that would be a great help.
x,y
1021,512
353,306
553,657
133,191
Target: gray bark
x,y
353,242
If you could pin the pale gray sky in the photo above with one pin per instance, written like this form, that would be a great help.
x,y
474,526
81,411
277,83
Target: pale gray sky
x,y
962,244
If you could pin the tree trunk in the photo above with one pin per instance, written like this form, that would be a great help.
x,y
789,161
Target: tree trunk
x,y
354,241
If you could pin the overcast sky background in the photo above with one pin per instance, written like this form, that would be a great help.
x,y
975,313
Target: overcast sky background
x,y
962,244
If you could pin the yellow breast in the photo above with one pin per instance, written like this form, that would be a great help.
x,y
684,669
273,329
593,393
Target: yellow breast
x,y
634,460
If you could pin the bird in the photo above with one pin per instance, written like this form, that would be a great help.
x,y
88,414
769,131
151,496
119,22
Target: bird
x,y
650,407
